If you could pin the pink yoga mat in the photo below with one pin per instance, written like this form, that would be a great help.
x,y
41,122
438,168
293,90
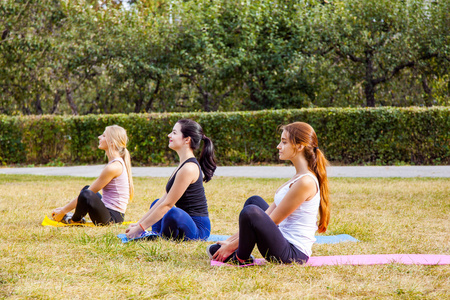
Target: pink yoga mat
x,y
379,259
374,259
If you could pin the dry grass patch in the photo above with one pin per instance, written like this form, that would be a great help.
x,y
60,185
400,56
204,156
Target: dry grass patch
x,y
387,215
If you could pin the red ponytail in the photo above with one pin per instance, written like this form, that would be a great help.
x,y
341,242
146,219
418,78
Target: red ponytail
x,y
301,133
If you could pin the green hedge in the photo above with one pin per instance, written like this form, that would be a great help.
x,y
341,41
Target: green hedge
x,y
347,135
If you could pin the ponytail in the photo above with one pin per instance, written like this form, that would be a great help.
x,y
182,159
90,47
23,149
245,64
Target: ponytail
x,y
321,173
127,160
301,133
117,138
207,160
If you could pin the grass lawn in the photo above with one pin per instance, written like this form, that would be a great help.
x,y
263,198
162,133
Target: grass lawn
x,y
386,215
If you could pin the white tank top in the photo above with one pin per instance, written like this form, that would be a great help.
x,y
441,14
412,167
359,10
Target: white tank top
x,y
300,226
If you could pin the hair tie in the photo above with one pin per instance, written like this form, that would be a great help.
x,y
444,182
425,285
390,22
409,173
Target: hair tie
x,y
203,137
315,149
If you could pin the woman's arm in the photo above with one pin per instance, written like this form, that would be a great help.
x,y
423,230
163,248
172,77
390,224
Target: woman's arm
x,y
110,172
154,207
186,175
271,208
145,216
60,212
227,247
300,191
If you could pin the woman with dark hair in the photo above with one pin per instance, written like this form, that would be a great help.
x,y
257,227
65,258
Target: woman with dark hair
x,y
182,212
284,231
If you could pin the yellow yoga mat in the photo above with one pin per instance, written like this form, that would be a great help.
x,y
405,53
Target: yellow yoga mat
x,y
49,222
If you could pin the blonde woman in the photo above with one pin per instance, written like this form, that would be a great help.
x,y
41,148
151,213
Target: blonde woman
x,y
115,180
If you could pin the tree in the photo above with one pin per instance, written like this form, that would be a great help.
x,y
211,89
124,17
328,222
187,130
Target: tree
x,y
27,29
139,67
378,38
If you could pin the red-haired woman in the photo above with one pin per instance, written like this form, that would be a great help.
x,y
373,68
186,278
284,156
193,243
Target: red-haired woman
x,y
284,231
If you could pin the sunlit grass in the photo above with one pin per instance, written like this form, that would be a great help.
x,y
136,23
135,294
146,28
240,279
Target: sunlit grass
x,y
386,215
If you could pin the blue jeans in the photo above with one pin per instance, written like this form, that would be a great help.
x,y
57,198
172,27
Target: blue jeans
x,y
179,225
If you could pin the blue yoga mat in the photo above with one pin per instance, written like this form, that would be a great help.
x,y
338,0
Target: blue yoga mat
x,y
146,235
149,235
334,239
330,239
217,238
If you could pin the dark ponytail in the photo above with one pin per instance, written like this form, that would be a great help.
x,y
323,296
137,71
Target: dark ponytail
x,y
207,160
192,129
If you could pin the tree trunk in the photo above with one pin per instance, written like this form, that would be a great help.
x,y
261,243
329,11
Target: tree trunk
x,y
37,105
56,100
369,91
426,88
149,104
138,102
369,86
25,110
206,104
72,105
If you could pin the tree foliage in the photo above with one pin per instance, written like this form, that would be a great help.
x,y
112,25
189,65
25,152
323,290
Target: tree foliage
x,y
84,56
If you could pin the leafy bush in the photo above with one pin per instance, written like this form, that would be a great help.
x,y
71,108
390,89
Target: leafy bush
x,y
347,135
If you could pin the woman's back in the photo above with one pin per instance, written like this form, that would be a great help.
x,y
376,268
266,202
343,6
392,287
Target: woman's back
x,y
117,192
193,201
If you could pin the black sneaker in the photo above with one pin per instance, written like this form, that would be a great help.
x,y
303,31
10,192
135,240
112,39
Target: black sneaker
x,y
233,259
212,249
67,219
81,222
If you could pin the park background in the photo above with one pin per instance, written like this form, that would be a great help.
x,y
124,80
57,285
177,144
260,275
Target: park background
x,y
100,57
372,77
239,68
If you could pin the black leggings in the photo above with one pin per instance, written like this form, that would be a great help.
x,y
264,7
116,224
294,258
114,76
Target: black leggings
x,y
91,203
257,228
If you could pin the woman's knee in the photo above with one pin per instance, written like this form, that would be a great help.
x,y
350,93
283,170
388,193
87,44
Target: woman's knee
x,y
258,201
86,196
250,212
172,217
252,200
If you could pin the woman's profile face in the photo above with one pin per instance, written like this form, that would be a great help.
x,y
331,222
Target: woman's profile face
x,y
285,147
176,139
102,143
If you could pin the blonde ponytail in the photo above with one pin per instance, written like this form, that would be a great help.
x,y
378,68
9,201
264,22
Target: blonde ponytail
x,y
117,139
127,160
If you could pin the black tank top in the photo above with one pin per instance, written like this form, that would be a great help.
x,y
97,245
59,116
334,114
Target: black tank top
x,y
193,201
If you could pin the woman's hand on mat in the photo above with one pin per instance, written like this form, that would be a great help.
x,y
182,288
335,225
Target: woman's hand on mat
x,y
58,214
131,227
224,251
133,232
